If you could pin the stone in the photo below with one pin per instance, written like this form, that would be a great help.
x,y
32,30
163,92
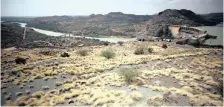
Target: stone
x,y
19,93
70,102
31,86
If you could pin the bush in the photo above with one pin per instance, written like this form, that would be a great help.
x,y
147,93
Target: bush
x,y
128,74
150,50
106,43
82,52
107,54
48,52
164,46
120,43
143,50
139,51
65,54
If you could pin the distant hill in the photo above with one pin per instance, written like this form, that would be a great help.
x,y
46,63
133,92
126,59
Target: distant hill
x,y
12,36
215,17
157,25
114,23
120,24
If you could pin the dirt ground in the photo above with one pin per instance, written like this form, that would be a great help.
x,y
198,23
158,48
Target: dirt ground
x,y
168,77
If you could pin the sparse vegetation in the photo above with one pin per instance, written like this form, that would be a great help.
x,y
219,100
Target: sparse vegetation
x,y
48,52
150,50
107,54
139,51
82,52
164,46
143,50
128,74
65,54
120,43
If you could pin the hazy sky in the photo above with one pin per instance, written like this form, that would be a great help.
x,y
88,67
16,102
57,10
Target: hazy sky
x,y
86,7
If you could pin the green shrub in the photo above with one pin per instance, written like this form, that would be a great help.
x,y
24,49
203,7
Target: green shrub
x,y
139,51
150,50
142,50
82,52
164,46
107,54
128,74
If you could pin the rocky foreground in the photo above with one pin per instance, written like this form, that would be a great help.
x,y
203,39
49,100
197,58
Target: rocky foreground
x,y
167,76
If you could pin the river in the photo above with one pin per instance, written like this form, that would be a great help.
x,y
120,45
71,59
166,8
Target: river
x,y
52,33
215,31
212,30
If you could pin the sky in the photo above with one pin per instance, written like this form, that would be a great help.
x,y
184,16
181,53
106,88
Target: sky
x,y
87,7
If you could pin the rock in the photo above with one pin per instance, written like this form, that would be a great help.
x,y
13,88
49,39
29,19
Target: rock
x,y
80,45
194,42
20,60
31,86
8,97
27,92
140,81
4,92
65,54
45,87
22,104
19,93
70,102
21,87
58,84
181,42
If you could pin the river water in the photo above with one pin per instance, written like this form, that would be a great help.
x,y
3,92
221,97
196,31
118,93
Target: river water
x,y
215,31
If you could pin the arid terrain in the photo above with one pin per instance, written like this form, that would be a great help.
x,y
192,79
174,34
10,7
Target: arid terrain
x,y
170,58
166,76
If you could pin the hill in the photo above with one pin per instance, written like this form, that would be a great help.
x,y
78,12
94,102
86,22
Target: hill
x,y
12,36
157,25
114,23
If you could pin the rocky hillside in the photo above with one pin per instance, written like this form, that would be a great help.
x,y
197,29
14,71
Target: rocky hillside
x,y
114,23
157,25
12,36
215,17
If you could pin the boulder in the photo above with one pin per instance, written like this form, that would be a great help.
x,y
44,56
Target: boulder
x,y
20,60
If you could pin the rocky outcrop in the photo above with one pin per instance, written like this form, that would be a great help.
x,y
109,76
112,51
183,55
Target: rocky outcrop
x,y
157,25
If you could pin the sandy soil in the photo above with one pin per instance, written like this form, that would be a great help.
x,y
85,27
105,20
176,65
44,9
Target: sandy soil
x,y
173,76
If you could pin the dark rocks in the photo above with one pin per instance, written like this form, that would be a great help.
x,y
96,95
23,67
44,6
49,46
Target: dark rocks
x,y
70,102
22,104
20,60
27,92
80,45
106,43
65,54
193,42
8,97
31,86
19,93
181,42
